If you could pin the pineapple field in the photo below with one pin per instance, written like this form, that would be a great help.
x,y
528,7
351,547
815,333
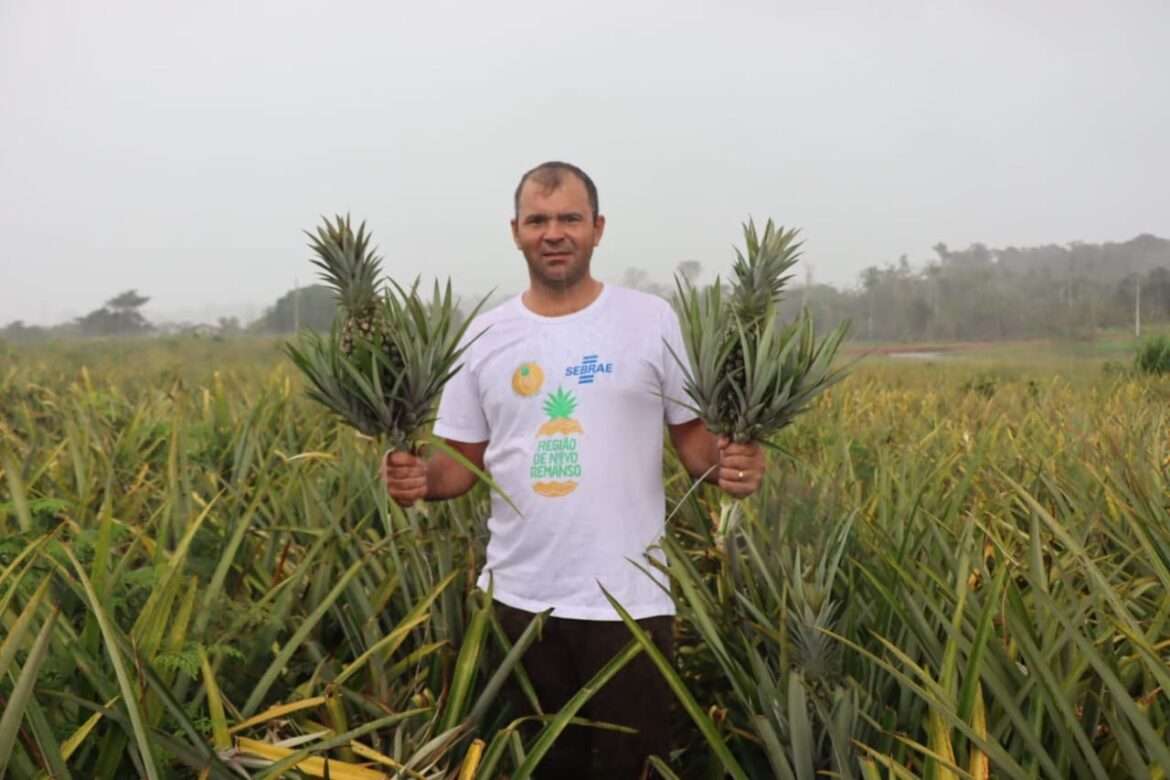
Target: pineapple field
x,y
953,570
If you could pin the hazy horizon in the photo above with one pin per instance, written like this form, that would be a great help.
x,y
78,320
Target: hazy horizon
x,y
181,150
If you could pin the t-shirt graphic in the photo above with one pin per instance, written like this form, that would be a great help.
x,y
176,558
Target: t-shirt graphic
x,y
556,463
588,370
572,409
527,379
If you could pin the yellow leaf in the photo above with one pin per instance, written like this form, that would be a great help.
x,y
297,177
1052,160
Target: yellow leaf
x,y
219,729
311,456
74,742
313,766
374,755
279,711
471,761
979,767
940,744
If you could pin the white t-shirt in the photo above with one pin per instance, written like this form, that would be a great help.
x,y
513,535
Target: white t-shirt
x,y
572,408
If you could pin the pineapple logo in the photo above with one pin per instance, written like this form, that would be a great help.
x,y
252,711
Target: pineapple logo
x,y
556,464
527,379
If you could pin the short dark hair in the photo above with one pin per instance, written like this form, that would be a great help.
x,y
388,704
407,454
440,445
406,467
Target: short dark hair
x,y
550,175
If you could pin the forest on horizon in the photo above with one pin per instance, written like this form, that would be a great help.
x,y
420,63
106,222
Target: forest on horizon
x,y
978,293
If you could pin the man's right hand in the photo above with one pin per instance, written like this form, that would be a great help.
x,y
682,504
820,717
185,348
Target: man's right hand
x,y
405,476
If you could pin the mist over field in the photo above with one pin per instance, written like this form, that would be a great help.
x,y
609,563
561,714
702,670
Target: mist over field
x,y
179,151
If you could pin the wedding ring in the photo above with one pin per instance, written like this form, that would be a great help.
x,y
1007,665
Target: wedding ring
x,y
741,475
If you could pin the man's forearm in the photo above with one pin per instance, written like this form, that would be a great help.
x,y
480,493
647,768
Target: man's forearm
x,y
447,478
698,449
704,463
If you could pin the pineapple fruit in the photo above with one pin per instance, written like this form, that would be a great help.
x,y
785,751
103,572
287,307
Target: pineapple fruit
x,y
748,375
350,266
383,365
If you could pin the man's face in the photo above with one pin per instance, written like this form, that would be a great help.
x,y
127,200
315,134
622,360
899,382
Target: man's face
x,y
557,231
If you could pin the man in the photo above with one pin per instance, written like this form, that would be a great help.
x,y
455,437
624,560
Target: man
x,y
562,400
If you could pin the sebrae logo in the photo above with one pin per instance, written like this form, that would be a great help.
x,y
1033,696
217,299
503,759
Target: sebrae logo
x,y
588,370
556,464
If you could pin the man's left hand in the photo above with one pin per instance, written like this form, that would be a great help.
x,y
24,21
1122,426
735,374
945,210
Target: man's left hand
x,y
741,467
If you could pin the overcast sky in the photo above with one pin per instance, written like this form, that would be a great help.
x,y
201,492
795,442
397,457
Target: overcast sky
x,y
180,147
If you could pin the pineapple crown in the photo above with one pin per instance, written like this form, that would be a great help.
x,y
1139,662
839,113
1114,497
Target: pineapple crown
x,y
760,275
745,373
347,262
560,405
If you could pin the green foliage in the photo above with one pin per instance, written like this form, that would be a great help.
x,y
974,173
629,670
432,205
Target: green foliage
x,y
120,316
937,576
929,576
747,375
313,307
761,271
1153,355
127,301
1068,291
388,394
983,385
347,263
269,549
383,369
19,333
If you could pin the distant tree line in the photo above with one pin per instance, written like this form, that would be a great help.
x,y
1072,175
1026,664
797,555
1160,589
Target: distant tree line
x,y
312,307
119,316
980,293
306,307
974,294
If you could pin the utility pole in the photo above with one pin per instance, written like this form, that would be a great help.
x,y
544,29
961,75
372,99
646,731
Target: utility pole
x,y
296,305
1137,310
934,318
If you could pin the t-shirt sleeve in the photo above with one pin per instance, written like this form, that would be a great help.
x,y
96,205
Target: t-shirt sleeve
x,y
460,416
673,378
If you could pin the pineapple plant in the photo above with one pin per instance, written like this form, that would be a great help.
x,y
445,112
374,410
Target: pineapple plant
x,y
555,462
383,366
350,266
748,376
760,276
